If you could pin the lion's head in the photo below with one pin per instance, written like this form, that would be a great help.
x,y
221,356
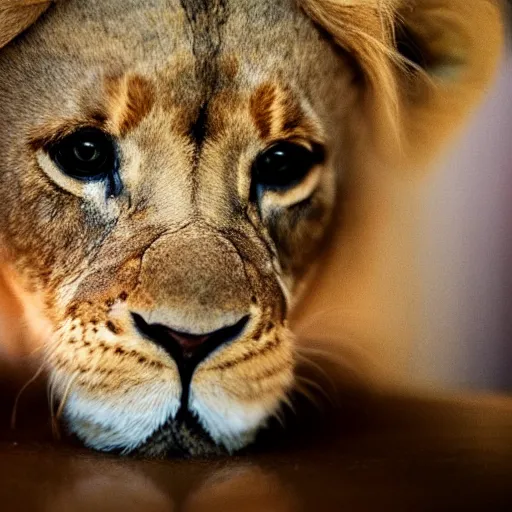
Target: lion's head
x,y
169,173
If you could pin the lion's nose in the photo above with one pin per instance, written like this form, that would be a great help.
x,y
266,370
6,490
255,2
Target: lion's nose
x,y
188,348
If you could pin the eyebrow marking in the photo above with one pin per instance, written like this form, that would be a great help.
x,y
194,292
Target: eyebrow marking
x,y
279,114
292,115
130,99
262,108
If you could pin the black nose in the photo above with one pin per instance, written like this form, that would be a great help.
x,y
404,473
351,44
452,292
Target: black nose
x,y
189,349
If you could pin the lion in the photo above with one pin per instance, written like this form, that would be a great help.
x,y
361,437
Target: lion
x,y
172,187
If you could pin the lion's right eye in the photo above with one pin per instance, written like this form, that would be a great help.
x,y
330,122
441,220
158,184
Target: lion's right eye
x,y
284,165
87,154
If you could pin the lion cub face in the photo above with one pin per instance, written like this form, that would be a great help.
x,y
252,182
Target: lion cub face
x,y
167,176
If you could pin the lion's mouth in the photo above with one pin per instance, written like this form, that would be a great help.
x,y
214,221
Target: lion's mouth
x,y
156,391
183,435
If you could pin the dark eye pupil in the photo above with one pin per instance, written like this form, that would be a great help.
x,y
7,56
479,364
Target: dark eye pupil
x,y
284,165
88,153
278,161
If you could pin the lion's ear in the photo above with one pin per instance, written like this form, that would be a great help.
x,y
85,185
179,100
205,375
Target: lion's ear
x,y
425,63
17,15
456,46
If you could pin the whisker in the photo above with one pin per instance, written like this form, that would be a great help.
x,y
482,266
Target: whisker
x,y
347,365
303,391
286,402
36,350
279,416
56,416
51,404
21,391
65,396
315,385
310,363
39,371
317,315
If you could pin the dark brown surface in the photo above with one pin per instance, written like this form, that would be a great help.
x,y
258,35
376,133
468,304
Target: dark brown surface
x,y
375,453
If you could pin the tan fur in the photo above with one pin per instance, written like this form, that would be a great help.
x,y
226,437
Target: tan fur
x,y
193,93
17,15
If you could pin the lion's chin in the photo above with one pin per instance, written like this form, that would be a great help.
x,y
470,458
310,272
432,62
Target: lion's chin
x,y
181,436
155,425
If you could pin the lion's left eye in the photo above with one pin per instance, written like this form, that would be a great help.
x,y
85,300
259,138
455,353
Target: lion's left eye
x,y
283,165
87,154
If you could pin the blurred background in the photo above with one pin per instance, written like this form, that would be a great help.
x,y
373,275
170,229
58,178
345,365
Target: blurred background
x,y
464,253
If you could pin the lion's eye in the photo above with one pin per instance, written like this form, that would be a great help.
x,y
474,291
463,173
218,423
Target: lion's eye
x,y
283,165
86,154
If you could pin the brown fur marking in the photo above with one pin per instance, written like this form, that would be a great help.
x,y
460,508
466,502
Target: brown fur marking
x,y
229,66
113,328
131,98
261,106
292,115
271,345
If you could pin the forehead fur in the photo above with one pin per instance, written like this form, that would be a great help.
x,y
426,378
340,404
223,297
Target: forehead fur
x,y
445,32
184,53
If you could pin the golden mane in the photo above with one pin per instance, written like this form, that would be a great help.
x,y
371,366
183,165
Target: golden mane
x,y
415,106
18,15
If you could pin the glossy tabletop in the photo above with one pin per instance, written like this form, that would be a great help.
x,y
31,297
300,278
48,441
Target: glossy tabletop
x,y
371,452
